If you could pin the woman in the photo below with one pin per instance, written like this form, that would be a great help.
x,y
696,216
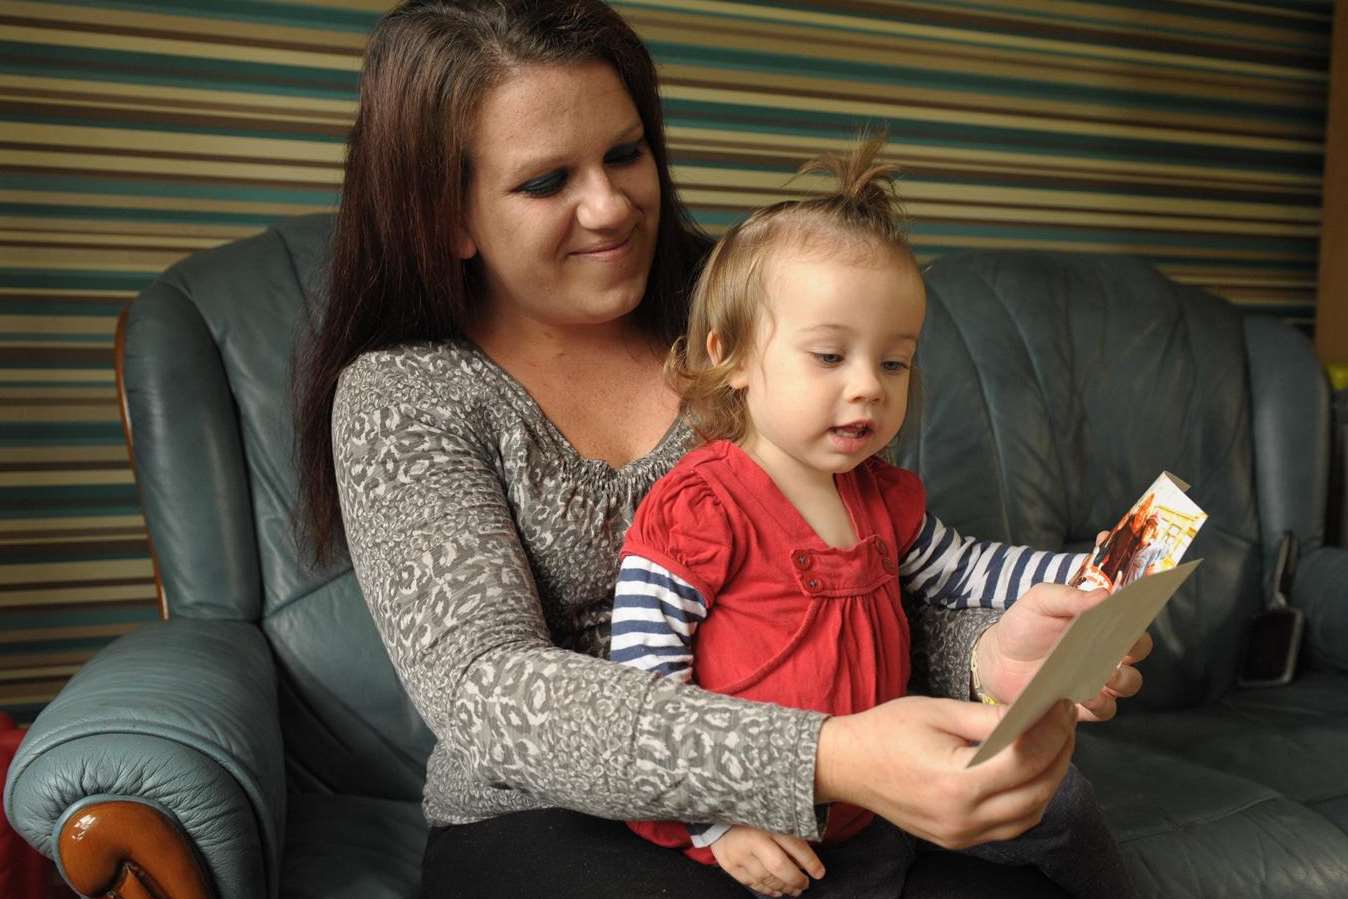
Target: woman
x,y
481,411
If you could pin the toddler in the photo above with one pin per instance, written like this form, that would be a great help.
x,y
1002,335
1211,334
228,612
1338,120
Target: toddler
x,y
770,563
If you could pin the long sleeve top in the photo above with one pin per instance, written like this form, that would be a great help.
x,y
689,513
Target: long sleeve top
x,y
487,548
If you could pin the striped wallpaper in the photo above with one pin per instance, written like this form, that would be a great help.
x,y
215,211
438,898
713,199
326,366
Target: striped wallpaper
x,y
133,133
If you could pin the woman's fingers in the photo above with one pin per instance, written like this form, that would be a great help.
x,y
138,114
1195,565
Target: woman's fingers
x,y
1126,681
907,760
970,722
1012,788
1139,650
1029,756
1013,811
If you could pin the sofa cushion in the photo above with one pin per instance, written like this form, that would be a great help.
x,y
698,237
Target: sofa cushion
x,y
1292,739
350,847
1193,831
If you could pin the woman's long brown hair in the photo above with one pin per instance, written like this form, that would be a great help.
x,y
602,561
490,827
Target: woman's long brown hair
x,y
393,278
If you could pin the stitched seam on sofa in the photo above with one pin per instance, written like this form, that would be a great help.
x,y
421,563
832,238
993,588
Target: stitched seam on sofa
x,y
1213,819
311,591
1039,383
316,720
987,418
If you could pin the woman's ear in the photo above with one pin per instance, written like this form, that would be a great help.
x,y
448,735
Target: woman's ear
x,y
464,245
716,352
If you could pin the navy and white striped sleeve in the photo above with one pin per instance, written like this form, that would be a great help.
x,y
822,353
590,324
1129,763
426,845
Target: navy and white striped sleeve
x,y
655,614
956,572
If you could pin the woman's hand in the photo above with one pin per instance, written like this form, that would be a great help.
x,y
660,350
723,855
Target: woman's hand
x,y
768,863
906,760
1011,651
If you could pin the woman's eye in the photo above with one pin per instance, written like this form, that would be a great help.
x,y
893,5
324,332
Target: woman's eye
x,y
827,358
544,186
624,155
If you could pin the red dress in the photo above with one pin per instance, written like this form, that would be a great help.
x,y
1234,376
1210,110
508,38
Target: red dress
x,y
790,620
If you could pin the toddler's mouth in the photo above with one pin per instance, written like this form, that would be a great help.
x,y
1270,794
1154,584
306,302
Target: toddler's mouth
x,y
854,431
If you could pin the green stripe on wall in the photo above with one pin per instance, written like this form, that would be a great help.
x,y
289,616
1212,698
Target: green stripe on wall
x,y
134,133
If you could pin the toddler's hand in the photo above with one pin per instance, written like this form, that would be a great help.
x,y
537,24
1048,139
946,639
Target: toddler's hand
x,y
770,863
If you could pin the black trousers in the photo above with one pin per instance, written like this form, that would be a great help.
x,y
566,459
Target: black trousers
x,y
562,854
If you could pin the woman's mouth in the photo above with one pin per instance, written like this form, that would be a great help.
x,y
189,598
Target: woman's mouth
x,y
613,249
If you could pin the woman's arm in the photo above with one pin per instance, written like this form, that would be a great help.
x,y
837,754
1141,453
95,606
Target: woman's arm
x,y
445,574
655,618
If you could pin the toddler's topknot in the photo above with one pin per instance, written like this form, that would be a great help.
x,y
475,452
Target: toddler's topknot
x,y
865,198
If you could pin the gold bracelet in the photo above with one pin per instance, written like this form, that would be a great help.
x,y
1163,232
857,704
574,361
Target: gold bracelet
x,y
983,696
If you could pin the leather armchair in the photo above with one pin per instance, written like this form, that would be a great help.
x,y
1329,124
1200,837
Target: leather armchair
x,y
257,743
261,725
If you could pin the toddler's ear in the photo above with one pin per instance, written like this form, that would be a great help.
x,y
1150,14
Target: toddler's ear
x,y
716,352
714,347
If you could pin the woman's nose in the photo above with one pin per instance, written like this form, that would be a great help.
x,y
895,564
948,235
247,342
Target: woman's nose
x,y
603,205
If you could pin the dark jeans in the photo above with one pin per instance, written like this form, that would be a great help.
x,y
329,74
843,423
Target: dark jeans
x,y
1072,846
566,855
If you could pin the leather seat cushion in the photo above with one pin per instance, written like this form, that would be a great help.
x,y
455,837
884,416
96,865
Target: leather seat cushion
x,y
1292,739
1191,830
352,847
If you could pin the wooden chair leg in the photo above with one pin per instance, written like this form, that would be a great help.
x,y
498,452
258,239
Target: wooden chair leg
x,y
128,850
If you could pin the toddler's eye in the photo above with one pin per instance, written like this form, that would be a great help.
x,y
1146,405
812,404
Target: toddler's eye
x,y
895,365
827,358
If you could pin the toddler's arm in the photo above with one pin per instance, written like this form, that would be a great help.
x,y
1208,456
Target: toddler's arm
x,y
655,614
943,568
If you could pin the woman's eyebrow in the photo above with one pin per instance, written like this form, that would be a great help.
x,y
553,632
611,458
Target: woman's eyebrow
x,y
547,162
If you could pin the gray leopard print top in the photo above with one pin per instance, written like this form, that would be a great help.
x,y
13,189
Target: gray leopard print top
x,y
487,547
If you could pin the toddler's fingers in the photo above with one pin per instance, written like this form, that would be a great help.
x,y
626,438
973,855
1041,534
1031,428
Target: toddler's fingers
x,y
768,886
754,876
803,854
780,866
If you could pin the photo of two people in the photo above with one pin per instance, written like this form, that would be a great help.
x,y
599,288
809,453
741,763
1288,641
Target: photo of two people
x,y
1152,536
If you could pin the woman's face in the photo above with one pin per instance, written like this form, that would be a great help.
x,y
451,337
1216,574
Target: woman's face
x,y
563,203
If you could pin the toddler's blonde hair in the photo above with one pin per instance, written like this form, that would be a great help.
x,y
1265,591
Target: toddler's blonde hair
x,y
861,217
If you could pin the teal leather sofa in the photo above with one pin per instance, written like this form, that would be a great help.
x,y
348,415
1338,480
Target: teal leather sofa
x,y
257,743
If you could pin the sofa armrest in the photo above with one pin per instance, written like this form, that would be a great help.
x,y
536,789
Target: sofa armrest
x,y
179,716
1321,592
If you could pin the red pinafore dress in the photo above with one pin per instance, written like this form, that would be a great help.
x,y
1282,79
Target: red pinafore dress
x,y
790,619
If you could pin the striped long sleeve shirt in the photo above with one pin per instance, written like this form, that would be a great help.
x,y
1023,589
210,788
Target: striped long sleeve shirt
x,y
656,613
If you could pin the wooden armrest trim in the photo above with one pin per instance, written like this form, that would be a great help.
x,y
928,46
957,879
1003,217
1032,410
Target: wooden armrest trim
x,y
128,850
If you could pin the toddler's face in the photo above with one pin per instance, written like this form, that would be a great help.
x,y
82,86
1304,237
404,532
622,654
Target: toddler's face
x,y
828,384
